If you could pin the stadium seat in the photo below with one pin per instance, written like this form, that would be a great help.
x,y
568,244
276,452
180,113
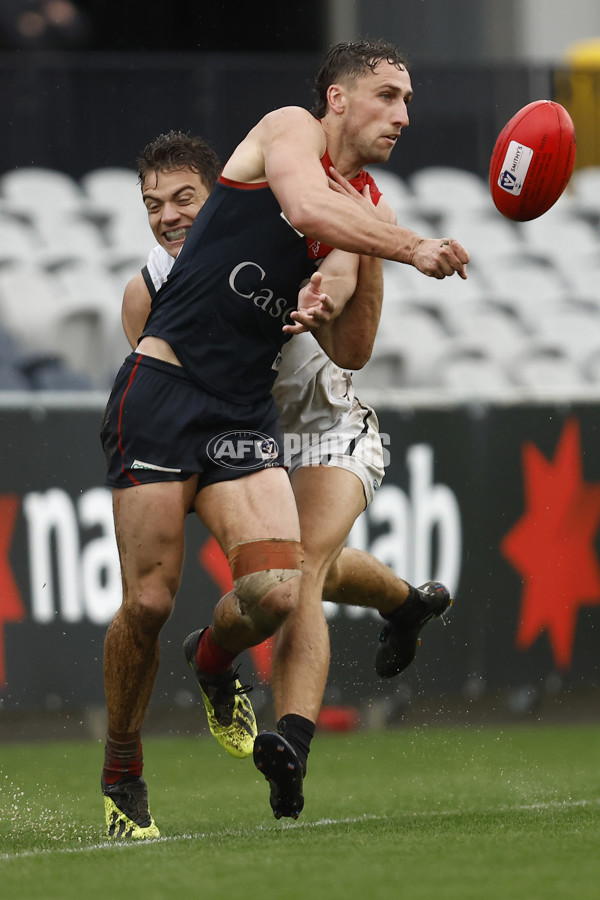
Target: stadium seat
x,y
584,188
472,372
12,378
416,338
563,235
484,233
113,190
526,284
47,321
29,299
582,276
122,267
591,368
385,370
118,348
531,284
129,237
573,327
405,283
28,188
26,370
19,242
448,296
495,328
440,190
10,350
90,318
546,366
115,194
416,222
49,373
85,332
401,283
395,190
67,237
86,283
70,236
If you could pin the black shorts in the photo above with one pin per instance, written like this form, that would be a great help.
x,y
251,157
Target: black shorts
x,y
160,426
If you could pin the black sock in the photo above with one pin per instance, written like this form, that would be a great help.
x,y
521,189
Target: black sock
x,y
299,732
411,606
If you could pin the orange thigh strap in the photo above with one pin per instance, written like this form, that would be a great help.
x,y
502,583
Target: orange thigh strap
x,y
257,556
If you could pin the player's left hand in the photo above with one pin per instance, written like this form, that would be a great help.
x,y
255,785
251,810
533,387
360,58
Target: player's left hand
x,y
363,198
315,308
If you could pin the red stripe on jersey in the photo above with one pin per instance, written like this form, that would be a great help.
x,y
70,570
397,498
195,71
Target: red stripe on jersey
x,y
244,185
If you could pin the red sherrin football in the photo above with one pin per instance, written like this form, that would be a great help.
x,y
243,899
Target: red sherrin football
x,y
532,160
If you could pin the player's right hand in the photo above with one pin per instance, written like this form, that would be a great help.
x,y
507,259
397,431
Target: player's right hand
x,y
440,258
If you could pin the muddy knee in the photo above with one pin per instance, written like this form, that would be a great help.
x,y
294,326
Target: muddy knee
x,y
147,615
265,580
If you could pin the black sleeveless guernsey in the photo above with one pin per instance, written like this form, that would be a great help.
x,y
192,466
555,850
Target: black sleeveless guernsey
x,y
232,288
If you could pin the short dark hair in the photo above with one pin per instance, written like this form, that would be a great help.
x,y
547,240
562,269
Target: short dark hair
x,y
350,60
177,150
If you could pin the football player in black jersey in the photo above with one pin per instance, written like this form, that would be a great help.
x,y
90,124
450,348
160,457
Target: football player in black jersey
x,y
249,512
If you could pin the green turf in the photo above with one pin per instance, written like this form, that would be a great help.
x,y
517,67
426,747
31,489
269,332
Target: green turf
x,y
482,813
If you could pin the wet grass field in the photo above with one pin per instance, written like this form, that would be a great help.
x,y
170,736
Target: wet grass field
x,y
424,812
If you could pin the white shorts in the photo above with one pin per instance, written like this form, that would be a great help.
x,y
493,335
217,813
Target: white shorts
x,y
355,444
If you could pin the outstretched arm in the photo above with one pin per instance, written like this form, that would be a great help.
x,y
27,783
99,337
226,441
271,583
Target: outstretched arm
x,y
285,148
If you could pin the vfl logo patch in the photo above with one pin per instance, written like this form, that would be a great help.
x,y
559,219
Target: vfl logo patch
x,y
514,168
153,467
507,181
243,450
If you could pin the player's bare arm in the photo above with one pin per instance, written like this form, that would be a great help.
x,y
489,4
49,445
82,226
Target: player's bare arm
x,y
341,306
290,143
354,285
436,257
350,337
135,309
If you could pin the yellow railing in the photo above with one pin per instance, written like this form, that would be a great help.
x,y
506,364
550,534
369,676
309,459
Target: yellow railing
x,y
577,87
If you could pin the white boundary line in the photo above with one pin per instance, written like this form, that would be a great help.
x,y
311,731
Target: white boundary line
x,y
319,823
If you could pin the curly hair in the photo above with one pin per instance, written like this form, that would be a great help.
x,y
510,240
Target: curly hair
x,y
177,150
350,60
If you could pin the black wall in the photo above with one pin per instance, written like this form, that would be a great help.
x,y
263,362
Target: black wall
x,y
78,111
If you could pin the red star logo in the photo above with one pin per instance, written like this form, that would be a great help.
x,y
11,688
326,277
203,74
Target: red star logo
x,y
11,608
552,545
